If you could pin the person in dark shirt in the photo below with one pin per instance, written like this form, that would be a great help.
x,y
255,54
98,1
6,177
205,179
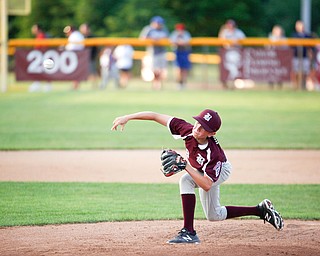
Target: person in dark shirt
x,y
301,62
39,34
85,30
207,168
180,39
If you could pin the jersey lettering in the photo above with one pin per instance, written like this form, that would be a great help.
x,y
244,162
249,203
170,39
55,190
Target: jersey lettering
x,y
217,168
200,159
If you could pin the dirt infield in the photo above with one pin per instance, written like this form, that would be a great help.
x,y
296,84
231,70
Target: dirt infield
x,y
230,237
249,166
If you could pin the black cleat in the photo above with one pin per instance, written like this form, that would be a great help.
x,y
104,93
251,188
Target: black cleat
x,y
186,237
269,214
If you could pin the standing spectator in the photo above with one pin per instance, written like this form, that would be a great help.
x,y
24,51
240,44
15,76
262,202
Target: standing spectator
x,y
75,43
301,58
314,75
108,68
230,31
180,38
86,32
157,54
276,34
39,34
124,62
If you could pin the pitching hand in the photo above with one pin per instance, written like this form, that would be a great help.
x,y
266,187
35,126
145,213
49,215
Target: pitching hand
x,y
122,120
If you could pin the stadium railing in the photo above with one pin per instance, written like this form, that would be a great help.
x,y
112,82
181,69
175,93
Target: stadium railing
x,y
206,58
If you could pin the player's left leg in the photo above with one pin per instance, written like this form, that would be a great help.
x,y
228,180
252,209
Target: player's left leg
x,y
211,200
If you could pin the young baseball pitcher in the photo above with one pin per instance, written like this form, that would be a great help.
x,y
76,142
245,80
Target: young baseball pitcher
x,y
206,167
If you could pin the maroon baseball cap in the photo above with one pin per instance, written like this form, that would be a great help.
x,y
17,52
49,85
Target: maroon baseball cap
x,y
209,120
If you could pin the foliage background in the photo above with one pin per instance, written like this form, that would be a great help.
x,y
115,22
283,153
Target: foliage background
x,y
125,18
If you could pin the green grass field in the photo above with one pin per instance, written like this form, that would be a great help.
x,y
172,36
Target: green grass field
x,y
62,119
56,203
82,120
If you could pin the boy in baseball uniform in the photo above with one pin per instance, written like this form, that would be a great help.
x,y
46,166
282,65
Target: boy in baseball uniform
x,y
207,167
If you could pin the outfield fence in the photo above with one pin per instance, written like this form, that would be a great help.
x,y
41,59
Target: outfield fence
x,y
205,49
204,42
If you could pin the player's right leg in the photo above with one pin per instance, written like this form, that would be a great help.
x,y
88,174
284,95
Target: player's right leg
x,y
215,212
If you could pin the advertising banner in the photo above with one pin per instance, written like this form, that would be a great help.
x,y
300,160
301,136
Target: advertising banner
x,y
68,65
257,64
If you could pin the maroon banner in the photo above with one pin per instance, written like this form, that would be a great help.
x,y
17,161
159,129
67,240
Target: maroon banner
x,y
68,65
258,64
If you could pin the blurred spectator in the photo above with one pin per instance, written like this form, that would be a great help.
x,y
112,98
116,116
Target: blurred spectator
x,y
75,39
93,76
75,43
276,34
108,68
313,81
180,38
230,31
302,58
156,55
39,34
123,55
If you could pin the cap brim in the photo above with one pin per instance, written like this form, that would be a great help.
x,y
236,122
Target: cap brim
x,y
203,124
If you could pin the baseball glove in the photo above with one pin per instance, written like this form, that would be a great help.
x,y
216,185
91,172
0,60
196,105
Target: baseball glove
x,y
172,162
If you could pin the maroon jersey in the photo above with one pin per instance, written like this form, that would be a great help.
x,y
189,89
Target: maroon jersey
x,y
205,158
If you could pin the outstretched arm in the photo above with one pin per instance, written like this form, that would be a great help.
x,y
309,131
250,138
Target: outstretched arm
x,y
146,115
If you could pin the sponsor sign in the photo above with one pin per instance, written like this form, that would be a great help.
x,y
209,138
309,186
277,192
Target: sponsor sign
x,y
68,65
258,64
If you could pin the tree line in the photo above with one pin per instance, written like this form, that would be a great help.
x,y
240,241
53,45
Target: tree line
x,y
126,18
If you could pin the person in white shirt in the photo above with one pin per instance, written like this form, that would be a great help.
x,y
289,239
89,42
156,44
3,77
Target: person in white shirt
x,y
123,55
75,43
75,39
108,68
